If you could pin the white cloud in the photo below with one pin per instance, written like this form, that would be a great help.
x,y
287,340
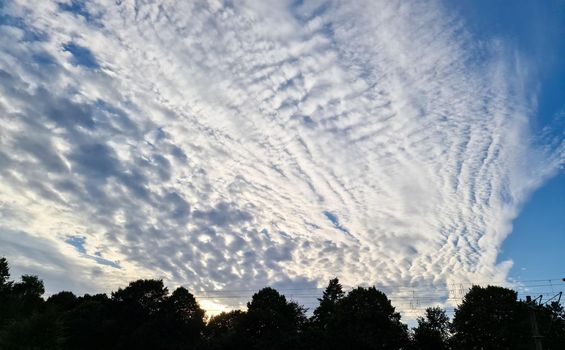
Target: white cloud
x,y
205,142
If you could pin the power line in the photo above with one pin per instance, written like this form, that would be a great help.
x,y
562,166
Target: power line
x,y
397,286
440,293
406,305
408,300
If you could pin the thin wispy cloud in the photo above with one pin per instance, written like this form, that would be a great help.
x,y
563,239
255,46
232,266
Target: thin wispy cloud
x,y
238,144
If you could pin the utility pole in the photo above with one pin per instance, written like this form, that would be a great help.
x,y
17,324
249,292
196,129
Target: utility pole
x,y
534,324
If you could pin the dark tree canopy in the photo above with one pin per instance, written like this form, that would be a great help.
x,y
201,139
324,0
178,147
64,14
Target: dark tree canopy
x,y
320,332
181,315
5,291
366,319
491,318
184,308
4,273
328,303
62,301
226,331
26,295
272,322
432,332
91,324
21,324
144,315
142,296
151,319
30,286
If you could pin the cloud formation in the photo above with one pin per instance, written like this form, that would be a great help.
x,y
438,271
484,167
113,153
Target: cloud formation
x,y
226,145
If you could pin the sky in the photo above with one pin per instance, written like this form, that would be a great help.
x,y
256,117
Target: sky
x,y
228,145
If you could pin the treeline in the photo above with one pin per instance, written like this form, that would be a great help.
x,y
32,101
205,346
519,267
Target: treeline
x,y
144,315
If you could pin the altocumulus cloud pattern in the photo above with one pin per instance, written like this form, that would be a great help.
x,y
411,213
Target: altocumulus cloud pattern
x,y
240,144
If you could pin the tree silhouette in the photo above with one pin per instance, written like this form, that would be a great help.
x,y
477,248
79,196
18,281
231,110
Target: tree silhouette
x,y
491,318
366,319
225,331
92,324
23,325
5,292
181,320
62,301
27,295
328,303
4,273
272,322
142,297
432,332
151,319
143,315
319,332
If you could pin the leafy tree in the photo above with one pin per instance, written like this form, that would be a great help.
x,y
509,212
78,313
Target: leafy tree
x,y
36,331
143,297
144,316
328,303
26,296
318,333
30,286
4,273
62,301
152,319
491,318
272,322
185,309
91,324
138,310
5,291
366,319
23,323
225,331
181,320
432,332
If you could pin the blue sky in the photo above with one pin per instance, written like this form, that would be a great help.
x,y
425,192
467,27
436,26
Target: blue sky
x,y
537,28
537,239
231,145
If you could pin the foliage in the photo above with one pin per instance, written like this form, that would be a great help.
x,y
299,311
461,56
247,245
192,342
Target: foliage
x,y
144,315
366,319
272,322
328,303
491,318
432,332
4,273
226,331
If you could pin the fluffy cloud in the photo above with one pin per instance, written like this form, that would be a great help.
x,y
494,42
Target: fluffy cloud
x,y
232,145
